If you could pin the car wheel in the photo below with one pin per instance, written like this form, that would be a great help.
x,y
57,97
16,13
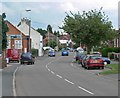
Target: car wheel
x,y
87,67
21,62
102,67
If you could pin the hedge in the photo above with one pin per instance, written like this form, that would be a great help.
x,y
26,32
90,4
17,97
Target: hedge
x,y
105,51
34,52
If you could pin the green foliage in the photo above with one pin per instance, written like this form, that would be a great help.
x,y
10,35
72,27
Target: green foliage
x,y
90,28
42,32
106,50
4,30
114,69
34,52
52,43
49,29
56,33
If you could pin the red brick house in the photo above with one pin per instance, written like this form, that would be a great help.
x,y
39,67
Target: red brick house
x,y
14,39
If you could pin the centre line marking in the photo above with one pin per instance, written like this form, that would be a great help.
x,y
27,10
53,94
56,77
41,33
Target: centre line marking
x,y
52,72
59,76
69,81
86,90
48,69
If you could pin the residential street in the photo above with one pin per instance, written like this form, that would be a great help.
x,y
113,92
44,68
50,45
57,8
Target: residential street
x,y
58,76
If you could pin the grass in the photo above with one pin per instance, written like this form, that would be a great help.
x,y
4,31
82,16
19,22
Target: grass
x,y
115,69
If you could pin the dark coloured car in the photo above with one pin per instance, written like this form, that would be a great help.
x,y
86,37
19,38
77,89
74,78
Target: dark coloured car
x,y
64,52
77,55
51,53
106,60
81,58
27,58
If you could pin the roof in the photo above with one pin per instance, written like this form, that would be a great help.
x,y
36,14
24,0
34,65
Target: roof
x,y
14,30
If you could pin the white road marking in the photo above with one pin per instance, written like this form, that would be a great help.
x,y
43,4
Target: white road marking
x,y
48,69
52,72
71,64
69,81
46,66
66,79
14,91
85,90
59,76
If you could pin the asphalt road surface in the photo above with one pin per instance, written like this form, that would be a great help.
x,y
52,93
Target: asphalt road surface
x,y
58,76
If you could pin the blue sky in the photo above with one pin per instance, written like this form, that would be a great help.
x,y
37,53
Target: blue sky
x,y
44,12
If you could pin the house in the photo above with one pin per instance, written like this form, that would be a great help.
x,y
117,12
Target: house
x,y
65,40
16,39
49,37
36,37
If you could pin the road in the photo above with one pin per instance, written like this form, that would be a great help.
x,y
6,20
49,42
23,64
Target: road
x,y
58,76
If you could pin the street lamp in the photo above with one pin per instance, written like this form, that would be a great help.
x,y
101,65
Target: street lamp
x,y
29,22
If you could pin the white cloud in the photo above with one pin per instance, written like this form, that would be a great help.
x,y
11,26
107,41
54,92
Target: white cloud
x,y
68,6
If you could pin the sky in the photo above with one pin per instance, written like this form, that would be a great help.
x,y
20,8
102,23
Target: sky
x,y
45,12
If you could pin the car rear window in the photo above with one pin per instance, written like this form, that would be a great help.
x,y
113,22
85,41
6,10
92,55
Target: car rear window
x,y
95,57
26,55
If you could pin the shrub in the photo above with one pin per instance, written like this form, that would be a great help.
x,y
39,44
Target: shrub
x,y
34,52
106,50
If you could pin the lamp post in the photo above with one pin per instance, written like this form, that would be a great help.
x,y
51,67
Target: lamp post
x,y
29,22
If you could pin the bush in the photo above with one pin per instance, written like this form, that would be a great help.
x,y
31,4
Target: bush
x,y
34,52
105,51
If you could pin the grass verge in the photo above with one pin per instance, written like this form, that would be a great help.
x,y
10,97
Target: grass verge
x,y
115,69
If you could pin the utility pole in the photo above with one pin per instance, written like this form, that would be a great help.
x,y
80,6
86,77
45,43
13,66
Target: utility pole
x,y
29,23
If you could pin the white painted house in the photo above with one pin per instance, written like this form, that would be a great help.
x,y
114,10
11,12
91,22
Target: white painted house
x,y
36,37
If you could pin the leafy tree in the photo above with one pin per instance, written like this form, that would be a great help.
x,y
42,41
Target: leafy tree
x,y
89,28
4,30
56,33
42,32
49,29
52,43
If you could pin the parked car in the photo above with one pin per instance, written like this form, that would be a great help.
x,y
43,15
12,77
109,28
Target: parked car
x,y
51,53
27,58
97,53
92,61
81,58
106,60
81,50
77,56
13,55
71,49
64,52
83,61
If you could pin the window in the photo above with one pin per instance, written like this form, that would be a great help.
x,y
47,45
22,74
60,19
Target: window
x,y
18,44
15,36
8,44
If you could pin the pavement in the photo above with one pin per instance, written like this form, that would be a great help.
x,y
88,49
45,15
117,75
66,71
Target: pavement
x,y
6,78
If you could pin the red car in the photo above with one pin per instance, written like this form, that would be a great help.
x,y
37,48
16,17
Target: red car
x,y
13,55
93,61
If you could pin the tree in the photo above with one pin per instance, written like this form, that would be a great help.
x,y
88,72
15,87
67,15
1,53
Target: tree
x,y
4,30
89,28
49,29
42,32
56,33
52,43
